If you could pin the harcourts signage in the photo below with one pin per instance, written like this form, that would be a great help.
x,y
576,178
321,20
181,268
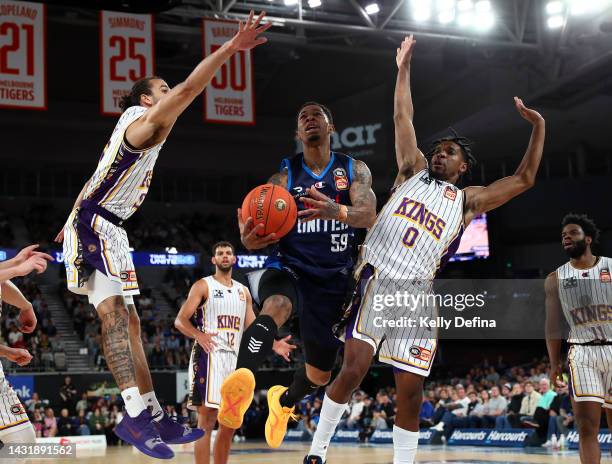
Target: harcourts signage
x,y
509,438
346,436
604,438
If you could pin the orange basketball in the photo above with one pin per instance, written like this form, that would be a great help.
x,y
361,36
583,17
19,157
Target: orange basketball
x,y
272,206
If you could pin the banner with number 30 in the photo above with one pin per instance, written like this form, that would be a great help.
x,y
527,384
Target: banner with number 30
x,y
126,55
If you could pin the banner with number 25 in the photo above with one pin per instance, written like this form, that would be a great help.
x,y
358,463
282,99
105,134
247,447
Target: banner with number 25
x,y
22,55
126,55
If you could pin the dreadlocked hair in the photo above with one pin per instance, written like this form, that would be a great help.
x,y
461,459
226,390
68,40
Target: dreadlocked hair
x,y
587,224
140,87
464,143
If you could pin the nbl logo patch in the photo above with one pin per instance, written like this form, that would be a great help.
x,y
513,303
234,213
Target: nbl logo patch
x,y
128,276
420,353
450,193
340,179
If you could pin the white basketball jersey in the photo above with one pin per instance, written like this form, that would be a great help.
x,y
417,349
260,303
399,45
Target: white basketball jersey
x,y
586,299
417,231
223,312
123,176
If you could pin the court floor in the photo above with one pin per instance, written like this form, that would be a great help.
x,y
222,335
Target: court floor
x,y
293,453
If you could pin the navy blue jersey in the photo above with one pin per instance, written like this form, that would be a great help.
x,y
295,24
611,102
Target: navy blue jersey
x,y
318,248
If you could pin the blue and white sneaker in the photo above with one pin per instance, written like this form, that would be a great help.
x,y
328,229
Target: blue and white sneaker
x,y
140,432
173,431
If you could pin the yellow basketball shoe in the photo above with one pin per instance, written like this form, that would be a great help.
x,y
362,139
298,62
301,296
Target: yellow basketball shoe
x,y
236,397
278,417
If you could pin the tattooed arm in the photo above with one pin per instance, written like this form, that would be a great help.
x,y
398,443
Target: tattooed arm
x,y
361,213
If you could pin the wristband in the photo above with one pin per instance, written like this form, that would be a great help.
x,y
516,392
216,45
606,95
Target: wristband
x,y
343,213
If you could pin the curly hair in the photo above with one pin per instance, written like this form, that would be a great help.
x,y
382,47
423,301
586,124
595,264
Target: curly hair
x,y
140,87
464,143
588,225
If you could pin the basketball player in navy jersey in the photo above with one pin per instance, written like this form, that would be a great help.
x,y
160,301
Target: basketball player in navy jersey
x,y
96,248
581,290
415,234
307,273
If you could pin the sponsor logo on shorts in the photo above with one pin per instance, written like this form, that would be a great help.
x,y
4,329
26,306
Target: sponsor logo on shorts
x,y
17,409
604,276
92,248
128,276
450,193
420,353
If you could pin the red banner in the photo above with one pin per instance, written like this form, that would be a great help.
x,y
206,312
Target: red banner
x,y
23,74
126,55
229,98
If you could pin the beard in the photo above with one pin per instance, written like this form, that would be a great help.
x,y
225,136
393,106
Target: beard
x,y
313,138
224,267
577,249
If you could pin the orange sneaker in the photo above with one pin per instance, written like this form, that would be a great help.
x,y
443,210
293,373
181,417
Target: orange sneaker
x,y
236,396
278,417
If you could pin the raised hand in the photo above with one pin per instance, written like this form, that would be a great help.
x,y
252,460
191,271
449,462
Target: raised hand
x,y
404,53
27,319
248,234
526,113
18,355
59,238
319,206
37,262
283,348
28,252
247,36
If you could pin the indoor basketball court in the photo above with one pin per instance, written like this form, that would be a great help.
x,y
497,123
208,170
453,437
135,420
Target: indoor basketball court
x,y
306,231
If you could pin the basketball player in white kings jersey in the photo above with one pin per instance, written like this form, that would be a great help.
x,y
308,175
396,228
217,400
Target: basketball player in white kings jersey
x,y
15,427
581,289
96,248
414,235
216,313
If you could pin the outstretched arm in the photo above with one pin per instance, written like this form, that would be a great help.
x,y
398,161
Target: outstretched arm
x,y
409,158
482,199
361,213
553,327
157,122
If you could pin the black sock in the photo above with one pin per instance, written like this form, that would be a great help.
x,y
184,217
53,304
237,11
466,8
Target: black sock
x,y
256,343
300,388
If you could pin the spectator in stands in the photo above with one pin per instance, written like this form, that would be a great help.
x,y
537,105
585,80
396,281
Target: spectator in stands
x,y
385,407
82,404
97,422
495,408
512,418
492,376
35,403
49,424
529,403
367,415
427,412
114,417
357,406
457,407
15,338
82,427
65,424
37,422
440,408
479,410
68,394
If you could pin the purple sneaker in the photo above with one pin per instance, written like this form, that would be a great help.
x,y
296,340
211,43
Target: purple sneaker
x,y
141,433
173,431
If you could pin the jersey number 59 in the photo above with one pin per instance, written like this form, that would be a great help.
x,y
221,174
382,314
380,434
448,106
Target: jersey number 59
x,y
339,242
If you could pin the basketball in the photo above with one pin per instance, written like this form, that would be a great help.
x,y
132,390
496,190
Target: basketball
x,y
273,206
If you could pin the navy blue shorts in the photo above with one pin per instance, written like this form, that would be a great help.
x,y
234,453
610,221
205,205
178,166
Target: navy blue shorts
x,y
318,304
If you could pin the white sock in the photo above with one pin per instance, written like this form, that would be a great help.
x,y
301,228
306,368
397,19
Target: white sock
x,y
405,445
150,401
134,404
331,413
